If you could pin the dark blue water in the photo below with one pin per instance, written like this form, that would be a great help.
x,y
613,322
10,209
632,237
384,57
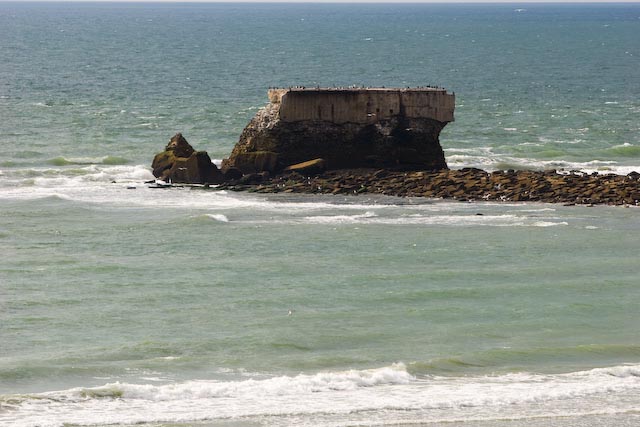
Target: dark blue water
x,y
537,85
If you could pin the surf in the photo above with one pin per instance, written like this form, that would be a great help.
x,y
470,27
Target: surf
x,y
340,397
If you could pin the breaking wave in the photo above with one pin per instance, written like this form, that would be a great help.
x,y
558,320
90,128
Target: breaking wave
x,y
107,160
335,398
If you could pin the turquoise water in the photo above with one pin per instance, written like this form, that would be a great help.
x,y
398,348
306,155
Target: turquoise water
x,y
121,304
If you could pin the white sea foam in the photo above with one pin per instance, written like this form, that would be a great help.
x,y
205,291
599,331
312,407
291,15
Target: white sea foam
x,y
548,223
342,219
471,158
386,395
506,220
121,186
218,217
536,210
91,180
95,183
487,158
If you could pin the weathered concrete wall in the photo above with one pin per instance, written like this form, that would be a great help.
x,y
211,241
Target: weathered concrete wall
x,y
363,106
343,128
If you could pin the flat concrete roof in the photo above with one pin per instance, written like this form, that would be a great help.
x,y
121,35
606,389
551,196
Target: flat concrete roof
x,y
360,89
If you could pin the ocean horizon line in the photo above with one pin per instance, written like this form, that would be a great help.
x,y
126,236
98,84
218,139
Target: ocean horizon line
x,y
362,2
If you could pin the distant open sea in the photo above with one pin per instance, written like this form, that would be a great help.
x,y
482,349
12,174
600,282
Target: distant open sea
x,y
123,305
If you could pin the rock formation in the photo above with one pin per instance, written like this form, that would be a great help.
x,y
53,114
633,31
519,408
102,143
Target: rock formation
x,y
467,184
180,163
380,141
346,128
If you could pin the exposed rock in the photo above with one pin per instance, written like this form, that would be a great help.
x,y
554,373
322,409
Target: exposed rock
x,y
179,145
464,185
349,128
373,141
254,178
195,169
162,163
180,163
634,175
231,174
255,161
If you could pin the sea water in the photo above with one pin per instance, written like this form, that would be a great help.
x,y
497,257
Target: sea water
x,y
127,305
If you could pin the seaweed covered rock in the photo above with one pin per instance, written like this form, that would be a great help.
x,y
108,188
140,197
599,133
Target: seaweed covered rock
x,y
180,163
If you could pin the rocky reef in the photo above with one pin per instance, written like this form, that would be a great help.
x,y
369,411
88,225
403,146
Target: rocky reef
x,y
345,128
376,141
467,184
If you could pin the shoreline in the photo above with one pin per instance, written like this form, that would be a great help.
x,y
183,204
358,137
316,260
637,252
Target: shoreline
x,y
467,184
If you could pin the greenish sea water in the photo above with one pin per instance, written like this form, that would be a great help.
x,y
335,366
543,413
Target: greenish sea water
x,y
126,305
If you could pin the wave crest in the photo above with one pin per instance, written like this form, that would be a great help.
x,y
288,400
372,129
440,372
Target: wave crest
x,y
280,386
107,160
390,393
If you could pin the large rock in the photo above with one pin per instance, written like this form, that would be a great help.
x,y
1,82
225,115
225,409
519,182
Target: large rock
x,y
179,145
180,163
350,128
256,161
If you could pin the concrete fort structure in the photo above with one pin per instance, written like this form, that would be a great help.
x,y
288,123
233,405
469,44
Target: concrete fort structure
x,y
342,128
363,106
